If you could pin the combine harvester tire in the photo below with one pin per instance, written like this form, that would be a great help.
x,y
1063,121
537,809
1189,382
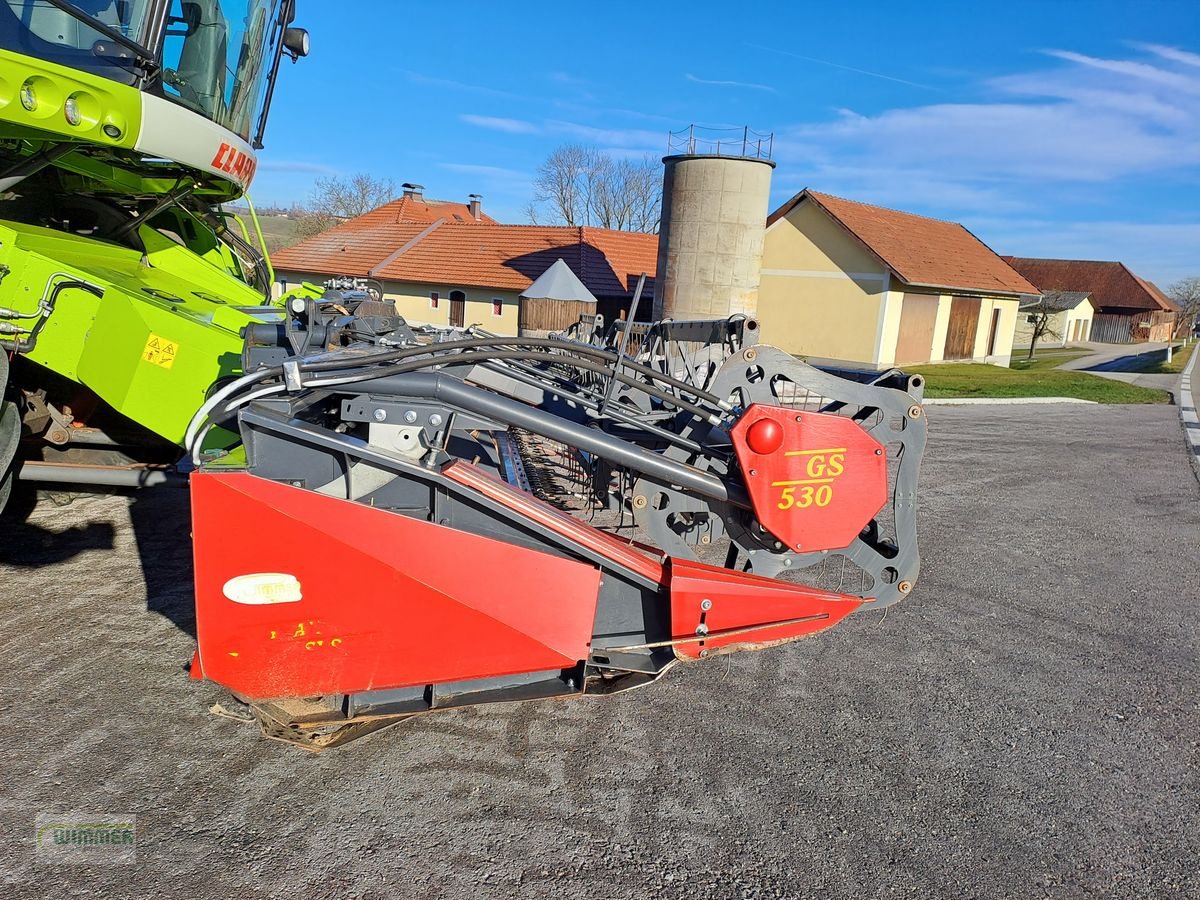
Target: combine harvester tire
x,y
10,435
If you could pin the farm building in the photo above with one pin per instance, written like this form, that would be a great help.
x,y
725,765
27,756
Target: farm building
x,y
554,301
1070,319
451,272
845,283
1127,308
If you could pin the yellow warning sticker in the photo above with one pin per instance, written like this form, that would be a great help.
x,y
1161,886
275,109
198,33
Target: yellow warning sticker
x,y
160,351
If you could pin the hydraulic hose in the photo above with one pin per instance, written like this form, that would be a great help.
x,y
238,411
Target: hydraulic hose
x,y
587,365
414,358
481,343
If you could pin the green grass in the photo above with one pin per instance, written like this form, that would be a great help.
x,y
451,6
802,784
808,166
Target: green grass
x,y
1045,359
974,380
1159,366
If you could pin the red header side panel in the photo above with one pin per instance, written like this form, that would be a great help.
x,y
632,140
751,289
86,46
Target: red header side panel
x,y
332,597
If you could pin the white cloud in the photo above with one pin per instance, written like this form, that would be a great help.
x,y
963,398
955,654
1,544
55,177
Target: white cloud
x,y
1058,141
1131,69
290,165
1172,53
637,139
738,84
496,123
487,171
422,78
905,189
843,67
1093,120
1161,252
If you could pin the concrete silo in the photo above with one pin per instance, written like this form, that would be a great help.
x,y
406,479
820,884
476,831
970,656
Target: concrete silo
x,y
714,215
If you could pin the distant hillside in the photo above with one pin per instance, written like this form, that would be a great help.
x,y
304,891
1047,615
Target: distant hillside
x,y
279,229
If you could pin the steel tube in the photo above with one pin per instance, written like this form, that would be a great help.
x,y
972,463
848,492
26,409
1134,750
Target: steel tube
x,y
456,393
102,476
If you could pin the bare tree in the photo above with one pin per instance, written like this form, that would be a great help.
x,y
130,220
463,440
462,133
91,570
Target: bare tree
x,y
581,185
1040,317
1186,292
337,199
629,196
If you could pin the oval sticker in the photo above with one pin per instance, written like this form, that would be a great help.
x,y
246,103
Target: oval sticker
x,y
263,588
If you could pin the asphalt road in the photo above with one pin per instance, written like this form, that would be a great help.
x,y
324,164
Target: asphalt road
x,y
1025,725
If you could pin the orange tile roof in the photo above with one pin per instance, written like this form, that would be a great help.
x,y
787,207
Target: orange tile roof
x,y
1112,285
510,257
1162,298
344,250
358,244
418,209
920,251
504,257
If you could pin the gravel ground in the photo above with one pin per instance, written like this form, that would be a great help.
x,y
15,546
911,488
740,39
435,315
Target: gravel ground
x,y
1025,725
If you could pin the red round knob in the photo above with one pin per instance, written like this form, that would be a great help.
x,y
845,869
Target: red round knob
x,y
764,436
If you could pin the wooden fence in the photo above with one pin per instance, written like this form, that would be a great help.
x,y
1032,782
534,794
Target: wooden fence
x,y
1137,328
551,315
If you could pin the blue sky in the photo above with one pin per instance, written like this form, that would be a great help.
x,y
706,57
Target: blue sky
x,y
1066,129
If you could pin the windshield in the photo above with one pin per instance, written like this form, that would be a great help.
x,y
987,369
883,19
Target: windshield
x,y
39,28
216,56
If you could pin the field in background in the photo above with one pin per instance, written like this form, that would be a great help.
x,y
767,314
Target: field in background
x,y
278,231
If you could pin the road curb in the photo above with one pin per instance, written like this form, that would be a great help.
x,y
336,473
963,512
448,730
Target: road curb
x,y
973,401
1187,413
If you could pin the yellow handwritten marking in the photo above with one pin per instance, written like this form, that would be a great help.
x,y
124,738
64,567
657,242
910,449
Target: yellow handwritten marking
x,y
160,351
808,452
316,645
233,653
807,481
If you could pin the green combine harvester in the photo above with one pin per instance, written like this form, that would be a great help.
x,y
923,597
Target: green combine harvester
x,y
125,289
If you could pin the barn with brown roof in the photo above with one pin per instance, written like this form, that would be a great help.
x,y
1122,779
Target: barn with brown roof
x,y
846,283
454,272
1128,308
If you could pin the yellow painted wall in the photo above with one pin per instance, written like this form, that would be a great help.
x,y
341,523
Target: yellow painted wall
x,y
815,242
940,328
1063,323
1004,329
821,292
893,306
412,302
1002,351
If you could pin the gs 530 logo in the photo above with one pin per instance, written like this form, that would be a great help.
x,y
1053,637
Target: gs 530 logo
x,y
822,468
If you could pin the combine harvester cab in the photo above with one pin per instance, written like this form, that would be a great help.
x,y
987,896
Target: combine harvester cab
x,y
458,518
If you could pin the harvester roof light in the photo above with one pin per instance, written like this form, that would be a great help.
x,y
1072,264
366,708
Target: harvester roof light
x,y
28,97
71,111
112,131
295,41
